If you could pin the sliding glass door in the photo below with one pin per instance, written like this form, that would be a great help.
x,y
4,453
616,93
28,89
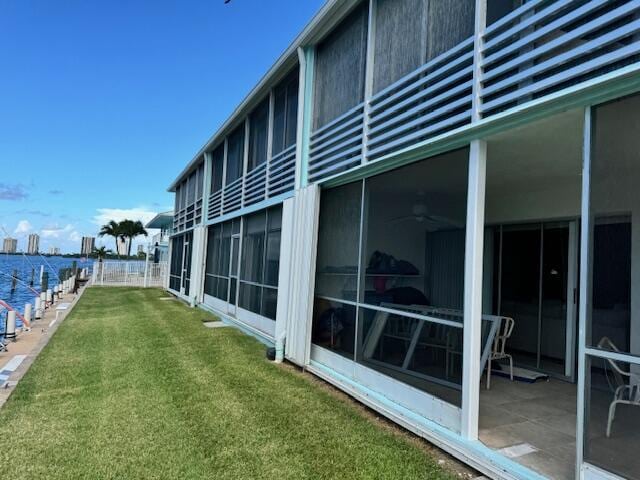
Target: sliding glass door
x,y
535,276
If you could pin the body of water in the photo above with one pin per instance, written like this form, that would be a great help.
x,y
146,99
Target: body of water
x,y
25,291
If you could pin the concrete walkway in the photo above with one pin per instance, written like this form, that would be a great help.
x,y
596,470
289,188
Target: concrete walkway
x,y
28,345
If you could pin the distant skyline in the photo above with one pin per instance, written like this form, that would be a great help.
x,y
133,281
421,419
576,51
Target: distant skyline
x,y
104,102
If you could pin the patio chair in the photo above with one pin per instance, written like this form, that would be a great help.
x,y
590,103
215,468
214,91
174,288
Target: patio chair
x,y
624,393
499,344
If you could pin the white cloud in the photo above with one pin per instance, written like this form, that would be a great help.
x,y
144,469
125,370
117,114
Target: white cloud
x,y
105,215
23,227
56,231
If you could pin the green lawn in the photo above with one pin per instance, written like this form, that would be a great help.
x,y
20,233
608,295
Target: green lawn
x,y
134,387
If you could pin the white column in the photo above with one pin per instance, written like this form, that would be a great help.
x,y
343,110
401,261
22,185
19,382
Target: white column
x,y
206,186
297,273
306,57
480,27
198,257
368,77
474,247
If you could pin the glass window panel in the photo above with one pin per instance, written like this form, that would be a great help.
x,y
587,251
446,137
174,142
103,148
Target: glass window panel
x,y
425,354
191,188
253,248
177,244
414,237
614,309
235,154
279,120
213,249
250,297
269,303
211,285
613,399
235,247
272,260
183,195
340,67
520,295
553,318
223,289
199,182
334,326
338,242
217,165
285,113
225,249
178,206
291,124
258,127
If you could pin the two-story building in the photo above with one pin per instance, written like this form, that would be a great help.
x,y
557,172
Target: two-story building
x,y
431,205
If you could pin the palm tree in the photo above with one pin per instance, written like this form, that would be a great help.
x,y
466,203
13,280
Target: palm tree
x,y
130,230
112,229
101,253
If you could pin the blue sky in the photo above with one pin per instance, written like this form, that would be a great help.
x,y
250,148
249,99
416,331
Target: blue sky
x,y
102,103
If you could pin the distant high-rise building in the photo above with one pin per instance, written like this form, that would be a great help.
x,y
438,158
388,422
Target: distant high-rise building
x,y
54,251
88,245
10,245
33,246
122,246
140,249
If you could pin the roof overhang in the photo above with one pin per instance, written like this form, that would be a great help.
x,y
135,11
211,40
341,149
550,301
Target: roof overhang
x,y
162,221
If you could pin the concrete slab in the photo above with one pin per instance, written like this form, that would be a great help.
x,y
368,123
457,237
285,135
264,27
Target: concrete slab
x,y
215,324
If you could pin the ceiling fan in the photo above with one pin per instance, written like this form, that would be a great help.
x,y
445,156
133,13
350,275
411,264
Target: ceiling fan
x,y
420,214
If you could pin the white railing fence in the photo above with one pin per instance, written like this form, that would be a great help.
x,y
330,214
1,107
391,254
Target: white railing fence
x,y
134,274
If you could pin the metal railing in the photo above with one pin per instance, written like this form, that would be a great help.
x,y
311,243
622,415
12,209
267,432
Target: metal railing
x,y
543,47
274,177
337,146
433,99
135,274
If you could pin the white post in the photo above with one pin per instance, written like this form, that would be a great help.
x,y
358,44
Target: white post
x,y
41,273
474,245
102,274
584,380
27,313
49,296
10,331
146,270
38,308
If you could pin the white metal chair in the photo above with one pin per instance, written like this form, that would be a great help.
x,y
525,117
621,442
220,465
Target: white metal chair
x,y
499,344
624,393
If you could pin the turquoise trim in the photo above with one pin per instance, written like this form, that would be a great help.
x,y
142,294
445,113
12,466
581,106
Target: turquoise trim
x,y
620,83
476,450
309,75
225,318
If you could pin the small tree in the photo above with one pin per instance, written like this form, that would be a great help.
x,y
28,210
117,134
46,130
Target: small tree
x,y
101,253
